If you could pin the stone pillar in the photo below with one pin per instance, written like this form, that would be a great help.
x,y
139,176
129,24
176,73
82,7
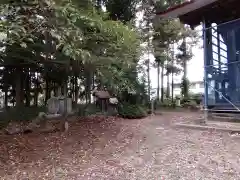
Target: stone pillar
x,y
61,106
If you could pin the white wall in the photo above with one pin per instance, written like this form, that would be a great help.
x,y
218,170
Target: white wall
x,y
193,89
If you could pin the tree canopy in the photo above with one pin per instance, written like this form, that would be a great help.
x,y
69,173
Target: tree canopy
x,y
50,44
43,39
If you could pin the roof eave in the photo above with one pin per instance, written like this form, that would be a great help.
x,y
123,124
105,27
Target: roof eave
x,y
173,12
184,9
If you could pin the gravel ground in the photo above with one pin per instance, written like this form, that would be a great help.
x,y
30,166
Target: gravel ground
x,y
101,148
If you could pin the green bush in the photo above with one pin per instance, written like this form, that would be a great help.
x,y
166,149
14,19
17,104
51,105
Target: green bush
x,y
184,100
157,104
169,103
166,103
192,97
191,105
131,111
197,98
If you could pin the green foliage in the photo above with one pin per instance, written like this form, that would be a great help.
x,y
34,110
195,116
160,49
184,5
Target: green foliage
x,y
185,54
131,111
122,10
190,104
167,33
185,84
55,43
170,68
168,103
161,5
196,97
192,97
49,42
136,97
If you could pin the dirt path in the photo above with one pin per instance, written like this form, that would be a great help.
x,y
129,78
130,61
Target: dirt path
x,y
116,149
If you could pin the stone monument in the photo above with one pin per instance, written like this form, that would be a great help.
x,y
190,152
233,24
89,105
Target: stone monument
x,y
62,107
53,105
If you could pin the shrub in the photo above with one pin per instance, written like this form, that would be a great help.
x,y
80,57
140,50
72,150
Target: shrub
x,y
197,98
191,105
184,100
131,111
156,104
192,97
168,103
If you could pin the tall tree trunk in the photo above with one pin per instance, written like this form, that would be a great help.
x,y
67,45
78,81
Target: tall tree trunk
x,y
184,69
5,98
185,80
173,61
55,89
168,87
162,82
184,60
47,58
168,73
73,88
47,91
36,97
172,88
76,90
18,88
88,84
149,82
65,93
148,73
28,88
158,81
36,90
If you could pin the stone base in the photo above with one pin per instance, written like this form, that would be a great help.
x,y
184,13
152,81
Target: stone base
x,y
51,116
41,124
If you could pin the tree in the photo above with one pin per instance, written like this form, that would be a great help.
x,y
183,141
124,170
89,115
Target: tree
x,y
173,69
122,10
189,38
183,57
46,39
166,33
146,31
125,11
161,5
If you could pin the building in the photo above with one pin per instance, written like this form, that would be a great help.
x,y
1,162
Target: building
x,y
221,41
196,87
